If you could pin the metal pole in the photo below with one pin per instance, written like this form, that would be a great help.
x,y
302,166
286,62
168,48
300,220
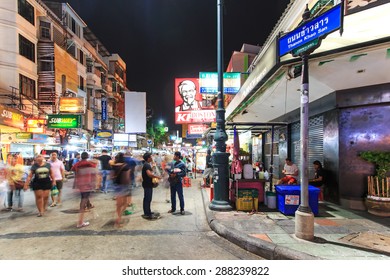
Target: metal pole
x,y
220,157
303,171
304,218
271,167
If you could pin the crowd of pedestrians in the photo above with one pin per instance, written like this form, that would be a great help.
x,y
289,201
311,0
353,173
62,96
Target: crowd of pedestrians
x,y
100,174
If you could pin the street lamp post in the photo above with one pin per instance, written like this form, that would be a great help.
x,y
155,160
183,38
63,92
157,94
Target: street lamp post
x,y
220,157
304,218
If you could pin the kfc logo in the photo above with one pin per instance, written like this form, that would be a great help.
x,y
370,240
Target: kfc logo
x,y
201,116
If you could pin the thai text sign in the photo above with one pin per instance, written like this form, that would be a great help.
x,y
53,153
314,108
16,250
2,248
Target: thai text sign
x,y
318,27
63,121
208,82
11,117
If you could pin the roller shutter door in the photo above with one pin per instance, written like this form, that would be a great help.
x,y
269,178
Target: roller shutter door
x,y
316,142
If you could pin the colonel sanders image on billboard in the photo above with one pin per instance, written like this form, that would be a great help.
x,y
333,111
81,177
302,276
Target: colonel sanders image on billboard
x,y
189,103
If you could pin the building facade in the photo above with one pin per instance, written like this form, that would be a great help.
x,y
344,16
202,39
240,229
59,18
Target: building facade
x,y
48,55
349,96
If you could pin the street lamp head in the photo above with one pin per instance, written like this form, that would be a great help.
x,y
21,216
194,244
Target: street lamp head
x,y
306,14
161,122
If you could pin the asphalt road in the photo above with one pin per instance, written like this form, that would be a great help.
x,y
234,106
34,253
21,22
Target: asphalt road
x,y
24,236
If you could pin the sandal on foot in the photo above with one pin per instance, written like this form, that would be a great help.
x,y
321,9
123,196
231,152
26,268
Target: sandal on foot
x,y
39,215
53,204
85,224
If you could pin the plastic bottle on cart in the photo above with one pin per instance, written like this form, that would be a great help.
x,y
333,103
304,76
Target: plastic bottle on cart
x,y
261,175
266,175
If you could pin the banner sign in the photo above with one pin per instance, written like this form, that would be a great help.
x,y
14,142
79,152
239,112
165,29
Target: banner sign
x,y
135,115
104,109
208,82
11,117
63,121
317,27
73,105
198,129
201,116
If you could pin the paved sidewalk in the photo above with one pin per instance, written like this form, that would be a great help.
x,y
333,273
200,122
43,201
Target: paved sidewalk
x,y
340,234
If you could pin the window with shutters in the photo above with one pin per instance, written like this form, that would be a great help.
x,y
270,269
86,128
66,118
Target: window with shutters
x,y
45,30
26,86
26,10
26,48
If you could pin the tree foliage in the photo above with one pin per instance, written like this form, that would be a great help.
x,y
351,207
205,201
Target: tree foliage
x,y
156,133
381,160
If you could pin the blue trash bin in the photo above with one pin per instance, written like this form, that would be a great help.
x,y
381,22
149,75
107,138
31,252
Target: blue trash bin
x,y
289,198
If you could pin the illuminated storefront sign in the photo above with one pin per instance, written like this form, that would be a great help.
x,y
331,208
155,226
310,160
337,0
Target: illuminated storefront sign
x,y
72,105
36,125
190,105
63,121
11,117
208,82
201,116
104,134
23,135
197,128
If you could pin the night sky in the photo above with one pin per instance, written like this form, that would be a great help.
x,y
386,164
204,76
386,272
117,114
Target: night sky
x,y
161,40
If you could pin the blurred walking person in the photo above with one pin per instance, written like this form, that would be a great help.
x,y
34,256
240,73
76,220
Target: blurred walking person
x,y
121,180
59,175
105,169
15,175
43,180
85,181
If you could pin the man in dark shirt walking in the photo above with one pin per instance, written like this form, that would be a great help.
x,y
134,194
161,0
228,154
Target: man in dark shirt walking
x,y
105,168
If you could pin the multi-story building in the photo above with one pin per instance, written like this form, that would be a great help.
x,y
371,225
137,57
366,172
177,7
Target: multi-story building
x,y
50,54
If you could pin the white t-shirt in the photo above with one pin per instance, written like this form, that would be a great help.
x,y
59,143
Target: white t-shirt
x,y
57,167
290,170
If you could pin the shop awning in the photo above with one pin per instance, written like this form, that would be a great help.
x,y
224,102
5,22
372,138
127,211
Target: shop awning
x,y
242,127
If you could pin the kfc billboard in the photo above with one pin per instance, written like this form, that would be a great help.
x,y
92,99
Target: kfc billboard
x,y
189,105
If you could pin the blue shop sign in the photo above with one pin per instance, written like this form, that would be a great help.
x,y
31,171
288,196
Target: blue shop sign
x,y
193,136
104,109
38,138
318,27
